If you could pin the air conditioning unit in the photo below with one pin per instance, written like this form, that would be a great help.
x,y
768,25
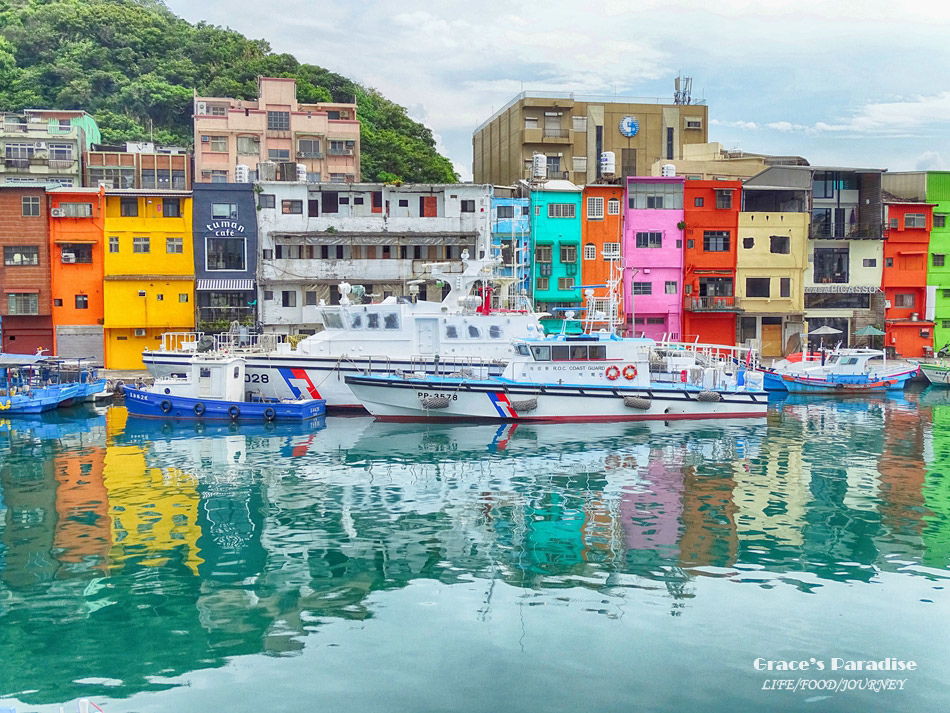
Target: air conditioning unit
x,y
141,293
201,108
57,213
139,332
206,139
39,145
69,258
887,304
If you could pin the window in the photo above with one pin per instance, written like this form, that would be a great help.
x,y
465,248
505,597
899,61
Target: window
x,y
643,288
310,298
697,202
888,262
76,253
611,251
748,243
288,298
248,146
278,121
76,210
938,260
823,185
267,200
904,299
171,208
690,243
182,296
649,240
21,255
404,203
113,243
531,122
219,176
565,283
831,265
224,253
723,200
542,253
30,206
291,207
590,251
278,155
561,210
671,287
940,220
542,283
268,294
915,220
310,148
140,245
568,253
82,302
505,211
23,303
57,302
227,211
892,224
219,143
129,207
613,207
757,287
785,287
655,195
468,206
779,244
872,262
716,241
174,245
595,208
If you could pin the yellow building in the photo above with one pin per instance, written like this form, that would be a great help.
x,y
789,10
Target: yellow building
x,y
149,282
771,262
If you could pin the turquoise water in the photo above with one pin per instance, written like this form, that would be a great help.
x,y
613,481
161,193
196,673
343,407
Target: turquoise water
x,y
378,567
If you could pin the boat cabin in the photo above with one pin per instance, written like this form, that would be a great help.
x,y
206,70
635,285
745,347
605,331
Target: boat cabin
x,y
216,378
584,359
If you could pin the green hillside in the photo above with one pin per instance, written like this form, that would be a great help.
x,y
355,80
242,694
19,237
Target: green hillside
x,y
133,64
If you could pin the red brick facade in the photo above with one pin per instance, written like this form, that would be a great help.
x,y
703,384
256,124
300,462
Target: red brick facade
x,y
25,302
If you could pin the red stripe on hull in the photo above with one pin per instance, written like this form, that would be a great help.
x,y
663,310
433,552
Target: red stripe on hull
x,y
573,419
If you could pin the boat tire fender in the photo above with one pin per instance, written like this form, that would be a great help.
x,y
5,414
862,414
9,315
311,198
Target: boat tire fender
x,y
839,386
630,372
119,387
612,372
199,409
234,412
166,406
270,414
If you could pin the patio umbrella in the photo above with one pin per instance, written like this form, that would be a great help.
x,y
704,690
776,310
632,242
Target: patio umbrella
x,y
820,333
869,331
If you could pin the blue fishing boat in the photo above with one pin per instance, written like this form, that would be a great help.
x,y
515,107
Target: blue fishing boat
x,y
26,388
216,389
842,371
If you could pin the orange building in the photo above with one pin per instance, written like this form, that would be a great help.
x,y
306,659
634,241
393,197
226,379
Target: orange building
x,y
77,219
711,211
83,534
904,278
601,235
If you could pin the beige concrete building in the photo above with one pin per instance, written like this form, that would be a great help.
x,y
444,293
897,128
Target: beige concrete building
x,y
279,132
572,130
711,161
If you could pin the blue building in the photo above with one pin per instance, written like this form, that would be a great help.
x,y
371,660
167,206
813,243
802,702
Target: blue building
x,y
511,239
225,232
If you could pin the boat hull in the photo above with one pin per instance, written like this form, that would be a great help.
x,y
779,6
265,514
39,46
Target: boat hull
x,y
152,405
394,399
800,385
936,374
40,400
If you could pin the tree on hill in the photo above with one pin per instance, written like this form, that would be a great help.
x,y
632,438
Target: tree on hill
x,y
133,64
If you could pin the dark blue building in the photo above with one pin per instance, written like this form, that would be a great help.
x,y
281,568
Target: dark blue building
x,y
225,228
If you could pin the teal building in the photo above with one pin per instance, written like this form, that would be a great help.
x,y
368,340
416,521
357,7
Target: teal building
x,y
556,241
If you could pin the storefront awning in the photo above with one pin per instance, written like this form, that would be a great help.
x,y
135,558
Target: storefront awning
x,y
65,241
225,285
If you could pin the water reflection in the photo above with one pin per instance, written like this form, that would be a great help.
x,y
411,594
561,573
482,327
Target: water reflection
x,y
192,545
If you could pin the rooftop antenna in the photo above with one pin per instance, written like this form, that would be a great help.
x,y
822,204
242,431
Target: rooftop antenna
x,y
683,90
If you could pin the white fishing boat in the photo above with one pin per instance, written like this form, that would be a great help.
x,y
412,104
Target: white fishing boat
x,y
840,371
462,331
598,377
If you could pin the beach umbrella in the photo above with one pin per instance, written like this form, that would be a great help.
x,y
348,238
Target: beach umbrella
x,y
869,331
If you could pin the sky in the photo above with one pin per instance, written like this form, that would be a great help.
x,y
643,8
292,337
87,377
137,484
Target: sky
x,y
841,82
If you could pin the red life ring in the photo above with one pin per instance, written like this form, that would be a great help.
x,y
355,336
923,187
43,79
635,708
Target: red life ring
x,y
612,372
630,372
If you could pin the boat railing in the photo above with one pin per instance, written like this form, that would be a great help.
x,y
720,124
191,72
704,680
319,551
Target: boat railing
x,y
236,342
712,355
186,342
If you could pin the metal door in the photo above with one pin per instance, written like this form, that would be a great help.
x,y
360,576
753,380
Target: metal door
x,y
427,335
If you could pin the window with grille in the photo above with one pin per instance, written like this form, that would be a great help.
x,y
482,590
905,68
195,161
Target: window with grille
x,y
940,220
23,303
219,143
565,283
542,283
613,207
904,299
643,288
113,243
723,200
590,251
140,245
561,210
650,240
30,206
76,210
174,245
542,253
21,255
568,253
939,260
248,146
595,208
278,121
611,251
671,287
267,200
716,240
915,220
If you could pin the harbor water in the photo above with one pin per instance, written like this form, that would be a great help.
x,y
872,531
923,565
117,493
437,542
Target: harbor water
x,y
352,565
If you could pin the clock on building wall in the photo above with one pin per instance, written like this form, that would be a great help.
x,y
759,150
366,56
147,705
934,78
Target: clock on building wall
x,y
629,126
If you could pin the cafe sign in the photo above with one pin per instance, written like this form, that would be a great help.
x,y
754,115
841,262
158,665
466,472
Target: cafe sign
x,y
842,289
224,229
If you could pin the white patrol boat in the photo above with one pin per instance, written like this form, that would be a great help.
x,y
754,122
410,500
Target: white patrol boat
x,y
460,332
598,377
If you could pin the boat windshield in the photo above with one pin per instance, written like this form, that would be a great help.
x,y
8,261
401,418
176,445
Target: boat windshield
x,y
571,352
332,319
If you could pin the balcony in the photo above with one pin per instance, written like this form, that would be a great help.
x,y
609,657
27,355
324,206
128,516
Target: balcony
x,y
856,231
556,135
17,164
339,152
62,164
220,318
715,303
309,154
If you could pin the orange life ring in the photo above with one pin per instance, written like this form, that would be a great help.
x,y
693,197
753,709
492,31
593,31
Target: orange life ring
x,y
612,372
630,372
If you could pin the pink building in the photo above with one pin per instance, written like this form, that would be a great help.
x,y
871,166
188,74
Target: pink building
x,y
324,138
653,256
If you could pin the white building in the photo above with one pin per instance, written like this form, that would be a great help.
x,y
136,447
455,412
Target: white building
x,y
381,237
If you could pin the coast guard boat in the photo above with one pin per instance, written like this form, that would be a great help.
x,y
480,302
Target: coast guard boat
x,y
395,334
595,377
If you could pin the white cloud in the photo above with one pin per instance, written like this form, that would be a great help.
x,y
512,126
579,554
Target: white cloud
x,y
930,161
746,125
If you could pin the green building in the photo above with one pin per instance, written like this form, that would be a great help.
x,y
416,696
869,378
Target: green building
x,y
932,187
556,242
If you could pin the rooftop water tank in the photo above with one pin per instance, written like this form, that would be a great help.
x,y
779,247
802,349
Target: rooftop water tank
x,y
668,170
301,173
539,166
608,163
267,171
242,174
